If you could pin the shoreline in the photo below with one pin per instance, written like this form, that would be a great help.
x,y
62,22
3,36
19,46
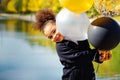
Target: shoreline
x,y
28,17
25,17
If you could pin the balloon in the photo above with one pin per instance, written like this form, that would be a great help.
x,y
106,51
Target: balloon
x,y
104,33
107,7
71,25
77,5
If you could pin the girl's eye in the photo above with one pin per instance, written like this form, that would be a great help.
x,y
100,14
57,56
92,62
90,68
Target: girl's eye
x,y
50,37
54,31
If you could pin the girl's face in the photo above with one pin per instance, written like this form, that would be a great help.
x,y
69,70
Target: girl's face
x,y
52,33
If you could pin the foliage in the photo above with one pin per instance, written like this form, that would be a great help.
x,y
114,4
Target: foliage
x,y
24,6
20,7
108,7
34,5
10,6
92,12
3,4
31,6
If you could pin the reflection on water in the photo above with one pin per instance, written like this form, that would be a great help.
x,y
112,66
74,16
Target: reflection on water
x,y
27,55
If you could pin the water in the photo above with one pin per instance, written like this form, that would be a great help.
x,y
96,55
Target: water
x,y
19,60
26,54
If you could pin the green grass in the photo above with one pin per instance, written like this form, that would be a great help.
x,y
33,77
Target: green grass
x,y
117,18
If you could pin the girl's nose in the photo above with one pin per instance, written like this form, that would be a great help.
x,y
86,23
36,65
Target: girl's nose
x,y
54,36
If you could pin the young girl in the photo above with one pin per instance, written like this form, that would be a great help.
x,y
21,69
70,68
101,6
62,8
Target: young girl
x,y
76,57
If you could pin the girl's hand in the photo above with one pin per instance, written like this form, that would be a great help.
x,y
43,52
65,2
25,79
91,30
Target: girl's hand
x,y
105,55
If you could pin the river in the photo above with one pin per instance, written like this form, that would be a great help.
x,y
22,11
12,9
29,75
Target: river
x,y
26,54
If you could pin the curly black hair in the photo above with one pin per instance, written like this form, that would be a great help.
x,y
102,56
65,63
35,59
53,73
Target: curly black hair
x,y
42,17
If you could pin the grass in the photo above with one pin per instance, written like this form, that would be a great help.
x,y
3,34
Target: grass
x,y
117,18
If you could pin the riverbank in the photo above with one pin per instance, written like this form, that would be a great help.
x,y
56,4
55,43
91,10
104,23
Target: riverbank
x,y
28,17
31,17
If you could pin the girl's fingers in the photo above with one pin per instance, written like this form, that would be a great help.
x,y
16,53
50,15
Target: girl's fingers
x,y
105,55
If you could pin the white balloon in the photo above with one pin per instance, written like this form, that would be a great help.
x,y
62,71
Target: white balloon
x,y
71,25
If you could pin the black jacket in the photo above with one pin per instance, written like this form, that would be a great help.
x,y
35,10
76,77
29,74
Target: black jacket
x,y
77,60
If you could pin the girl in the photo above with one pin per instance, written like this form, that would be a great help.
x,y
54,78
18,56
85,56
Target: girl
x,y
75,56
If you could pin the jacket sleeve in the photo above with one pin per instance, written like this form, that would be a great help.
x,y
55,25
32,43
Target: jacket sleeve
x,y
73,55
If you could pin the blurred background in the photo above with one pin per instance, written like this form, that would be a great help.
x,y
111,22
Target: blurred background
x,y
25,54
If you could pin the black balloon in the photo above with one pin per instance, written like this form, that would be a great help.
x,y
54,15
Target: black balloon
x,y
104,33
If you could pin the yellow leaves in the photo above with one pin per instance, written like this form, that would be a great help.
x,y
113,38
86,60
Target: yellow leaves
x,y
118,8
24,2
11,6
56,7
107,6
26,5
34,5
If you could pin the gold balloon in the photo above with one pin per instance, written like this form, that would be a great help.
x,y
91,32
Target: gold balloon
x,y
77,5
107,7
